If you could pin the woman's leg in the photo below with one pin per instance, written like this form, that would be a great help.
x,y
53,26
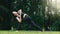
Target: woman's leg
x,y
19,26
27,17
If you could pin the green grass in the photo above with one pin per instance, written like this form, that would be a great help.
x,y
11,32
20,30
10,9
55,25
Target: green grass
x,y
29,32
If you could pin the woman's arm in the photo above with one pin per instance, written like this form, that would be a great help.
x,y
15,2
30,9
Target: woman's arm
x,y
19,16
19,19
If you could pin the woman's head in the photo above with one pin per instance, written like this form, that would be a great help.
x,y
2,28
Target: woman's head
x,y
17,13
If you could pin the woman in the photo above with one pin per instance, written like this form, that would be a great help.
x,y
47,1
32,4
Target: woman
x,y
20,16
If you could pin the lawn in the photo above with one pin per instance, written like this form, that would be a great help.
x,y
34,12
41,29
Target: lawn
x,y
29,32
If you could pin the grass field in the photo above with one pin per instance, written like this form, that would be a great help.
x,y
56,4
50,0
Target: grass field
x,y
29,32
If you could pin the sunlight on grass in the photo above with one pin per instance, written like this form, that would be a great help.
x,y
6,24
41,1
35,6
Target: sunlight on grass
x,y
29,32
